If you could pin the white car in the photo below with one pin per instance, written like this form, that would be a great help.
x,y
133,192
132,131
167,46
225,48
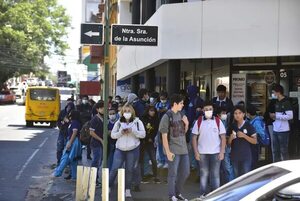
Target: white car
x,y
274,182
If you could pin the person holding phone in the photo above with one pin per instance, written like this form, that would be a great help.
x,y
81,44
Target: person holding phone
x,y
128,131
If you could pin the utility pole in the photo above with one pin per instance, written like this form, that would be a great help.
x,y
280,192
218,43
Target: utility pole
x,y
106,80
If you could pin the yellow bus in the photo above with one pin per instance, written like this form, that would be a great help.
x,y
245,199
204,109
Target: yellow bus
x,y
42,105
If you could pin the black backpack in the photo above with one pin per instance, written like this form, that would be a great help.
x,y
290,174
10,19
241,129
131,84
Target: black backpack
x,y
169,114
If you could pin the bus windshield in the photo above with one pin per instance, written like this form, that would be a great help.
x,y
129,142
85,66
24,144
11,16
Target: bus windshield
x,y
42,94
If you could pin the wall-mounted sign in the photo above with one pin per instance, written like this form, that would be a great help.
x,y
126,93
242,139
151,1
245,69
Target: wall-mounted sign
x,y
238,88
270,77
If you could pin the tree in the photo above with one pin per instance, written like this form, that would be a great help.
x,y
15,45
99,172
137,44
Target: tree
x,y
29,31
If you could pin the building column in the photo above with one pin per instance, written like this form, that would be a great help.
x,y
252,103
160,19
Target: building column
x,y
135,84
136,11
150,80
148,9
173,76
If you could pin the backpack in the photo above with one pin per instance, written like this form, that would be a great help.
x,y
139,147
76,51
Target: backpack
x,y
169,114
85,133
217,119
263,139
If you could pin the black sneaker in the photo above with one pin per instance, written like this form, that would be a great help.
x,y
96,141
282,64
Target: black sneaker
x,y
68,177
180,197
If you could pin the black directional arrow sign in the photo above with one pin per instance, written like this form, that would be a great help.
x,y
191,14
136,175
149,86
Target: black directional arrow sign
x,y
92,34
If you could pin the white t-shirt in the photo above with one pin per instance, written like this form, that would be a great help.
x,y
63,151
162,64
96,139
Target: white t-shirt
x,y
209,141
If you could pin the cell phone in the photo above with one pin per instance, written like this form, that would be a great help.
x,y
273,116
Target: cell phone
x,y
173,156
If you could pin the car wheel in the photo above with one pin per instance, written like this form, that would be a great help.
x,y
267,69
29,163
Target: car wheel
x,y
53,124
71,85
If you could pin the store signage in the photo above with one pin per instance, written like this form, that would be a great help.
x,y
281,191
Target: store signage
x,y
270,77
238,88
136,35
91,34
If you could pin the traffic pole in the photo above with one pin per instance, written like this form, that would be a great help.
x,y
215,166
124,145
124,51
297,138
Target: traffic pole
x,y
106,81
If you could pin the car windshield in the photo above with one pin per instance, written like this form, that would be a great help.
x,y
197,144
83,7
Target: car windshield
x,y
42,94
239,189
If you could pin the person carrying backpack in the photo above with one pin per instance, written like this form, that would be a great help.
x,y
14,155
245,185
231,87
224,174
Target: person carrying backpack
x,y
128,131
173,127
262,137
209,141
96,132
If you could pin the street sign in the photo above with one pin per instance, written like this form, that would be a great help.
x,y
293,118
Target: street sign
x,y
92,34
137,35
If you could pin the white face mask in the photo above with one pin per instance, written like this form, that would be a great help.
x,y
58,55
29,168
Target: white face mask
x,y
127,115
151,100
112,117
84,101
208,114
223,117
274,96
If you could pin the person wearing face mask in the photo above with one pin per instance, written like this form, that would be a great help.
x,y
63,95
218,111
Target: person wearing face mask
x,y
63,123
209,141
72,151
151,123
281,127
162,107
96,132
128,131
227,173
112,114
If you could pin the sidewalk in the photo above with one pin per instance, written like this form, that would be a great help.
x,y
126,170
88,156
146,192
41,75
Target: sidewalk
x,y
58,189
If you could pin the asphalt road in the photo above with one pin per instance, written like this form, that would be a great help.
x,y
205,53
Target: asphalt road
x,y
26,154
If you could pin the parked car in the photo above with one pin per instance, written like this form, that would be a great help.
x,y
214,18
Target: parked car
x,y
274,182
7,97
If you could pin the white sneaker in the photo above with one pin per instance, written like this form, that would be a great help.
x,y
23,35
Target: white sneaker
x,y
173,198
160,165
128,193
166,166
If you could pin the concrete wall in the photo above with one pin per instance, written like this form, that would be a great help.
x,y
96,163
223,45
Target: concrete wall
x,y
217,29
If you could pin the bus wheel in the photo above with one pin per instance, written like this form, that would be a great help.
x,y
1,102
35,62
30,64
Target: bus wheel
x,y
29,124
53,124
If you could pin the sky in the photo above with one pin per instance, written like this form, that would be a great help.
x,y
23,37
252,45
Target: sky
x,y
74,10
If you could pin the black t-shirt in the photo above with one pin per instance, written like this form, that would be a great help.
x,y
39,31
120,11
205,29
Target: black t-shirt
x,y
96,126
241,148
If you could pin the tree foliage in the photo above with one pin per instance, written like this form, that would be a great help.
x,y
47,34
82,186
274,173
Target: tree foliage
x,y
29,31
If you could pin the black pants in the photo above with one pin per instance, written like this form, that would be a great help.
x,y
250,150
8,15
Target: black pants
x,y
150,150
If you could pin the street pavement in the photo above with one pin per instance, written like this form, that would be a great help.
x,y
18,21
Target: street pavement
x,y
26,164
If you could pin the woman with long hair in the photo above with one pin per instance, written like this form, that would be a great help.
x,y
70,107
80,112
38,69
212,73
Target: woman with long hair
x,y
128,131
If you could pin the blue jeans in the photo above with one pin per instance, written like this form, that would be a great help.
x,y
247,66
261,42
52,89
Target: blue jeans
x,y
280,146
129,157
160,150
209,169
69,157
227,169
97,158
241,167
61,143
112,148
178,172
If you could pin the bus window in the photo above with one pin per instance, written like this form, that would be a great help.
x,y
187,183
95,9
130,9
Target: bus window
x,y
42,95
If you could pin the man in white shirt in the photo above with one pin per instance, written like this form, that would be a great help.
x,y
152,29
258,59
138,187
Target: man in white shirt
x,y
209,142
281,127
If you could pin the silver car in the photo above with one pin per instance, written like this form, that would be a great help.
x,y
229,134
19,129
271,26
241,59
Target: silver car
x,y
274,182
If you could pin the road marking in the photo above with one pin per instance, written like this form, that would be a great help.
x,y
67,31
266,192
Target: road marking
x,y
38,177
29,159
42,144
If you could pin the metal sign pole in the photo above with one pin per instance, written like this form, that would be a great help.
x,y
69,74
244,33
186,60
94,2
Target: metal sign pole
x,y
106,81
